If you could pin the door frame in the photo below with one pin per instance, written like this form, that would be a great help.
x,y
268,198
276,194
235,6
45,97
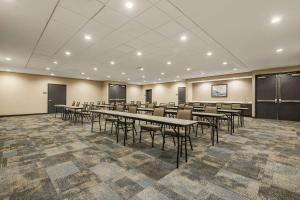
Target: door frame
x,y
146,95
48,93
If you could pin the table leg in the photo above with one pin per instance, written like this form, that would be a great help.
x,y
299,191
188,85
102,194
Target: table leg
x,y
125,132
92,122
217,129
232,123
178,143
185,144
55,112
99,115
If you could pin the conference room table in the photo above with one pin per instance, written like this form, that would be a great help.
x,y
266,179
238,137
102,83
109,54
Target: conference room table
x,y
57,106
176,124
65,108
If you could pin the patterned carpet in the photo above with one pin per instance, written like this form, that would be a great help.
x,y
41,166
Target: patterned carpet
x,y
42,157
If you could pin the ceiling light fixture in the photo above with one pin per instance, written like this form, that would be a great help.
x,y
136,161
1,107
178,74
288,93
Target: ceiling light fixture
x,y
108,76
235,69
129,4
159,79
8,70
82,73
95,69
169,63
68,53
55,62
128,79
87,37
123,73
139,53
225,63
162,73
177,76
143,76
203,73
112,62
275,20
183,37
209,53
279,50
188,69
88,78
48,68
8,59
52,74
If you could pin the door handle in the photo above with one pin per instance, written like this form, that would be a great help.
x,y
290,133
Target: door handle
x,y
280,101
50,100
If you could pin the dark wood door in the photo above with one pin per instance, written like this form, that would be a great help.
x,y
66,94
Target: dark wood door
x,y
148,96
181,95
289,96
56,95
116,93
266,97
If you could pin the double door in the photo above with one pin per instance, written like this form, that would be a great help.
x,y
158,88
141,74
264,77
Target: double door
x,y
116,93
278,96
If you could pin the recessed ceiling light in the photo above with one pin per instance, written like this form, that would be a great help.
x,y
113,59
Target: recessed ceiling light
x,y
55,62
68,53
82,73
112,62
8,59
129,4
183,37
275,20
88,78
162,73
188,69
123,73
52,74
95,68
235,69
143,76
47,68
108,76
225,63
279,50
139,53
169,63
209,53
87,37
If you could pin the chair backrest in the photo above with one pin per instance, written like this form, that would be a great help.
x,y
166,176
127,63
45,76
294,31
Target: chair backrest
x,y
112,104
138,103
188,107
120,108
219,105
103,102
159,112
226,106
77,103
211,109
73,103
91,103
98,103
171,104
184,114
236,105
181,106
162,104
197,104
132,102
154,102
132,109
151,105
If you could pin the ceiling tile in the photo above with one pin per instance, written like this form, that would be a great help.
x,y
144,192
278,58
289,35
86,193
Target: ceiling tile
x,y
86,8
68,17
111,18
138,7
152,18
133,29
171,29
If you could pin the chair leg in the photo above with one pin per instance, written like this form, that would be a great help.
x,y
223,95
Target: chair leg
x,y
181,146
190,142
164,140
105,125
153,139
197,129
174,141
140,136
133,133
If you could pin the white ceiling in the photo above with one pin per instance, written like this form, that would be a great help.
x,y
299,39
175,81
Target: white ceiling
x,y
36,33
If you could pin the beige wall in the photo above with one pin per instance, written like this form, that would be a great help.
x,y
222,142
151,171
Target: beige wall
x,y
27,94
164,92
239,90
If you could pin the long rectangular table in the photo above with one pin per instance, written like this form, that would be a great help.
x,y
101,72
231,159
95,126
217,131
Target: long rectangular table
x,y
66,107
173,122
